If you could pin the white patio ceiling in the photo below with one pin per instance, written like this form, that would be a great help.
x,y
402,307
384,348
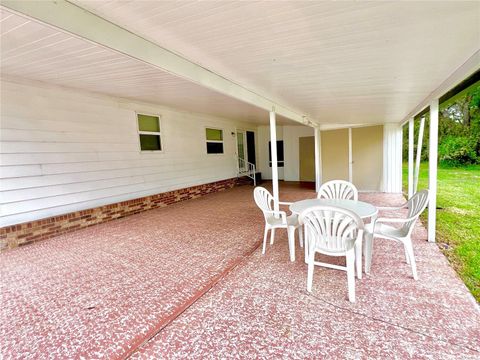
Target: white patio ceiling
x,y
35,51
333,62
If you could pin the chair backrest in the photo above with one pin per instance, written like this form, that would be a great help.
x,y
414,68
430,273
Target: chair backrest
x,y
263,199
416,205
338,189
330,229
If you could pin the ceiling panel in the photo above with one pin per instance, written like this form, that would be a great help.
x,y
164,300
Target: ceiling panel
x,y
336,61
35,51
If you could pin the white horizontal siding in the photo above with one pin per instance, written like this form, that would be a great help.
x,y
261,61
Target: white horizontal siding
x,y
40,123
63,136
63,151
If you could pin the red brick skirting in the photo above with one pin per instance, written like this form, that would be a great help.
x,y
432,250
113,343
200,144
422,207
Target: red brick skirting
x,y
25,233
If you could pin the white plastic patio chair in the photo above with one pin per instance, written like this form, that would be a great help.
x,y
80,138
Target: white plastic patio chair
x,y
335,232
276,220
416,205
338,189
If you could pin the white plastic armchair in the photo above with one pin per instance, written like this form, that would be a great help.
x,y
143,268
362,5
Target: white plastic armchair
x,y
403,234
338,189
335,232
276,219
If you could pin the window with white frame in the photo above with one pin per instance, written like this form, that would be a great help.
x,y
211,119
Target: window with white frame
x,y
214,138
149,132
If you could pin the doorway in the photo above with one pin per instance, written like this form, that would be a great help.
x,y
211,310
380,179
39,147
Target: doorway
x,y
251,155
307,158
246,148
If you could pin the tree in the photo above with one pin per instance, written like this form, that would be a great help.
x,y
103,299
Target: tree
x,y
458,130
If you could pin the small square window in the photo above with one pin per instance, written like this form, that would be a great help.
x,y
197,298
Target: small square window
x,y
150,142
214,138
149,132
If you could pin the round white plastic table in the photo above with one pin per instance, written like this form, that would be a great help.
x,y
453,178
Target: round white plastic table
x,y
362,209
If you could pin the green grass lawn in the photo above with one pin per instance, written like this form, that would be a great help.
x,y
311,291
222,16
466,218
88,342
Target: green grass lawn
x,y
458,218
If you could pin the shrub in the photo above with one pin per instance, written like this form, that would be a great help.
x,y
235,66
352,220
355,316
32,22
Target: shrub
x,y
458,150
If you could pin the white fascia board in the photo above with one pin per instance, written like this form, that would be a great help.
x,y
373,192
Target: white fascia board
x,y
460,74
77,21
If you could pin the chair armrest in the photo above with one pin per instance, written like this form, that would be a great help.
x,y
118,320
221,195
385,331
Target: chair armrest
x,y
282,214
285,203
391,208
392,220
396,220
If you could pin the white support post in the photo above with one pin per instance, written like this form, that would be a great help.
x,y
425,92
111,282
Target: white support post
x,y
432,170
350,156
410,157
318,159
419,154
392,158
273,149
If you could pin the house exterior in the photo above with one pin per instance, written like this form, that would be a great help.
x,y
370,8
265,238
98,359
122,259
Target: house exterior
x,y
73,101
65,151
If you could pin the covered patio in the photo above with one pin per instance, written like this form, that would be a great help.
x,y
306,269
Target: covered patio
x,y
189,281
129,132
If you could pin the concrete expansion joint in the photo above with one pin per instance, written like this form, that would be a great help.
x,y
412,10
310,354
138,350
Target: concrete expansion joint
x,y
206,289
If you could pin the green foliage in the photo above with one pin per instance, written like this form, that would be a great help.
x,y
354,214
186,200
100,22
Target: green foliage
x,y
457,150
458,130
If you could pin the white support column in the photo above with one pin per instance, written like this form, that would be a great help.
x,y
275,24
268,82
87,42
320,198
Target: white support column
x,y
419,154
318,159
350,156
273,149
432,170
410,157
392,158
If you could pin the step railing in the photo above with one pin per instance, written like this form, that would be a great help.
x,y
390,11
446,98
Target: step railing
x,y
246,168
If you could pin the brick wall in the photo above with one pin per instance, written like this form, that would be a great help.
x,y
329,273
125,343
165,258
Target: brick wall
x,y
22,234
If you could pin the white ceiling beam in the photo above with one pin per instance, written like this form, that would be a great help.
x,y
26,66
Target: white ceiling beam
x,y
460,74
75,20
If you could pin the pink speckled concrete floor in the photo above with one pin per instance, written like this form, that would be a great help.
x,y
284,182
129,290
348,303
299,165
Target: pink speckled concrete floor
x,y
189,281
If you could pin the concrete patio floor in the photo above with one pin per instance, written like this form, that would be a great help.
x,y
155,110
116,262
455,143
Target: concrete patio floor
x,y
189,281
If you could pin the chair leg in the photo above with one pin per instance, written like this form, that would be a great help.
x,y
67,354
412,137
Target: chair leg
x,y
407,259
291,242
311,265
368,252
351,275
409,251
272,236
300,235
305,250
358,257
265,233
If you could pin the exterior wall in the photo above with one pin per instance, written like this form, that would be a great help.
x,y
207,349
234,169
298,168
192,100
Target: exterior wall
x,y
367,156
334,155
64,151
22,234
263,139
290,135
